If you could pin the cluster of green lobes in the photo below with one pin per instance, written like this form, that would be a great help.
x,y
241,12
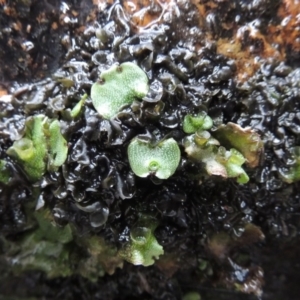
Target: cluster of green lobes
x,y
43,148
119,86
143,246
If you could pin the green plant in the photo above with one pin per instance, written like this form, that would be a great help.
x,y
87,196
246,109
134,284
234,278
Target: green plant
x,y
245,140
42,148
201,121
160,160
192,296
217,160
77,108
117,87
223,150
101,257
143,246
44,249
57,252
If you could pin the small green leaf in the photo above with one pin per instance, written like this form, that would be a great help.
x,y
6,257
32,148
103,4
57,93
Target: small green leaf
x,y
117,87
36,254
201,121
77,108
24,149
57,145
161,160
234,160
41,145
51,232
245,140
217,160
143,246
31,150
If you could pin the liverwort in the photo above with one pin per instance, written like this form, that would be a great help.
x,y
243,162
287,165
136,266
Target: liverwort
x,y
117,87
160,160
42,147
143,246
193,123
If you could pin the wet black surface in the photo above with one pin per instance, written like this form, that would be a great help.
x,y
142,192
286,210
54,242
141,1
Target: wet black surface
x,y
96,178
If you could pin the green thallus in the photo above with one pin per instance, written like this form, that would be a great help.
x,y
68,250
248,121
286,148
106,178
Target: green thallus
x,y
143,246
42,148
160,160
200,121
117,87
217,160
121,85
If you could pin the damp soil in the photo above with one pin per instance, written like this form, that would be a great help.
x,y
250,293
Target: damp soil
x,y
236,60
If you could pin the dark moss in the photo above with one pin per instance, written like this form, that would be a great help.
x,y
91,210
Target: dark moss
x,y
96,192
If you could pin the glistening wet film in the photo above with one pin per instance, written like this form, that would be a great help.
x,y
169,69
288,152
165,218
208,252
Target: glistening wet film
x,y
86,228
